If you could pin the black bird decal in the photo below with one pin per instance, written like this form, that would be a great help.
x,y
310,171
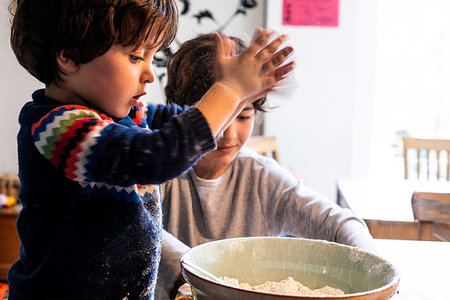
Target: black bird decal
x,y
161,58
186,7
249,3
241,10
204,14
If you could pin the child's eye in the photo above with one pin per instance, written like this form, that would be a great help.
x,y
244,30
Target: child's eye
x,y
135,59
243,118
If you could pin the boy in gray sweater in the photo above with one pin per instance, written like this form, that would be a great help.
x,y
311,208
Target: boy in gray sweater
x,y
233,191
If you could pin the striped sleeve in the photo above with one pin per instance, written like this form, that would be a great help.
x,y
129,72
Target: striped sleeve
x,y
66,135
90,147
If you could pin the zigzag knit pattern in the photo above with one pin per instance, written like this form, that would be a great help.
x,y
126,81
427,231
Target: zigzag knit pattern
x,y
67,137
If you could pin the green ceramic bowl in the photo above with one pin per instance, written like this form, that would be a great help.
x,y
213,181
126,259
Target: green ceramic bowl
x,y
314,263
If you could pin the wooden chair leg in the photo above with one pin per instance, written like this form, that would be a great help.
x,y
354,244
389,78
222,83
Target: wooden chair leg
x,y
419,231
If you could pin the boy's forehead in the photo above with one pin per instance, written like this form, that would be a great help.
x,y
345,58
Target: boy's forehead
x,y
154,35
153,41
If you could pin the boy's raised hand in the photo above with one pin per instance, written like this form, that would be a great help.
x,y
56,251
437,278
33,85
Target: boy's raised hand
x,y
256,70
243,78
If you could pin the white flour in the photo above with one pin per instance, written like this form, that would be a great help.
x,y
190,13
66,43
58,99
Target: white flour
x,y
287,286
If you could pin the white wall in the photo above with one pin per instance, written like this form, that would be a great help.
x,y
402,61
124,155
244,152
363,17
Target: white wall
x,y
322,128
16,86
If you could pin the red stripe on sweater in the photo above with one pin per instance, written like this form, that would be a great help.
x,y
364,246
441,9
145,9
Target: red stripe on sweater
x,y
68,107
65,140
73,158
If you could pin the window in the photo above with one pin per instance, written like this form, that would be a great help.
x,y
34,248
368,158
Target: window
x,y
412,79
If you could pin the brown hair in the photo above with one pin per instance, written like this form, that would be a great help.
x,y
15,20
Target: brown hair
x,y
85,29
191,70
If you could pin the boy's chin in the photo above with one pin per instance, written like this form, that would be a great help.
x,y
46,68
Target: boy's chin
x,y
122,114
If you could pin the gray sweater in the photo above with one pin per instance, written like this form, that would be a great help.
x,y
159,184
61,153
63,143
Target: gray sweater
x,y
254,197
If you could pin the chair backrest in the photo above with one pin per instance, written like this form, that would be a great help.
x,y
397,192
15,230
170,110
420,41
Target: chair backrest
x,y
264,145
434,209
440,163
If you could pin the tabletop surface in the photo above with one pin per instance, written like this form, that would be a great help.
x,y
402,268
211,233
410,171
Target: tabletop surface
x,y
12,211
379,199
424,268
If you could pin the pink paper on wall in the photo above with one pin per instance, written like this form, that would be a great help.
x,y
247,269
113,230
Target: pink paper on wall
x,y
311,12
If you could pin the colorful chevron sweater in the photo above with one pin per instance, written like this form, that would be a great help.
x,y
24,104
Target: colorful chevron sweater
x,y
90,226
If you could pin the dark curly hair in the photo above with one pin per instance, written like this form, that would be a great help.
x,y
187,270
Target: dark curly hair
x,y
85,29
191,70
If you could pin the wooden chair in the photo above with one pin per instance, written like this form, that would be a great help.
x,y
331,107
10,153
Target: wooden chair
x,y
432,211
442,166
264,145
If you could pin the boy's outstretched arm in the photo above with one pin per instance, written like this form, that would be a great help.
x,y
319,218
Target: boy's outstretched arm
x,y
240,78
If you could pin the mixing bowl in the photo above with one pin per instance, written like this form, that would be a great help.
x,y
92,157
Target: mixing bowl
x,y
314,263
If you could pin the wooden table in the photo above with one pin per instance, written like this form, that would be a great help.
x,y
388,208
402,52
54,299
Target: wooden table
x,y
385,205
424,268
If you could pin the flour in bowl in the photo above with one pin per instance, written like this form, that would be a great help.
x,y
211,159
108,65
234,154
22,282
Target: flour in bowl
x,y
287,286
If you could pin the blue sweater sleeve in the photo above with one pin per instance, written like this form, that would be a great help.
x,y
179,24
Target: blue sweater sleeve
x,y
89,147
158,115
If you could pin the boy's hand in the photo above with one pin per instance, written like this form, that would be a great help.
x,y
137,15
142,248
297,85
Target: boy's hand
x,y
257,69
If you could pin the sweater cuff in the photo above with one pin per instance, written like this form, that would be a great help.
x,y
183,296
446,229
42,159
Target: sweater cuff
x,y
202,129
352,232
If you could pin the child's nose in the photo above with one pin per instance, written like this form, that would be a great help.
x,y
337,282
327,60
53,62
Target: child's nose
x,y
147,76
230,132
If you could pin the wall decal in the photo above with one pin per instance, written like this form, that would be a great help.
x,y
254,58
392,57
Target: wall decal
x,y
234,17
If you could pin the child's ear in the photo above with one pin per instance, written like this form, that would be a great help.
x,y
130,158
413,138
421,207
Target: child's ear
x,y
66,64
